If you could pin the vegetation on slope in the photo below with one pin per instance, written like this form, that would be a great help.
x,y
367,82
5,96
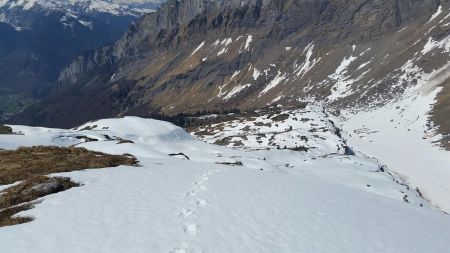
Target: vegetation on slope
x,y
31,165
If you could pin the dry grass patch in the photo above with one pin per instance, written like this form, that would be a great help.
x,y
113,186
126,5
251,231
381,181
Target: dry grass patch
x,y
280,117
7,217
20,197
31,164
23,163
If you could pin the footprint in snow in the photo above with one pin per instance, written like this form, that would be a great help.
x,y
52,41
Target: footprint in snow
x,y
320,213
198,186
202,202
195,190
190,193
191,229
202,180
182,249
202,187
186,213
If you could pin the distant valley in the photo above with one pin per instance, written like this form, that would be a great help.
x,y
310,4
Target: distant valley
x,y
39,38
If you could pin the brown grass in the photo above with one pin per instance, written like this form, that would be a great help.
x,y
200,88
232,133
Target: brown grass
x,y
19,198
281,117
7,219
30,165
23,192
24,163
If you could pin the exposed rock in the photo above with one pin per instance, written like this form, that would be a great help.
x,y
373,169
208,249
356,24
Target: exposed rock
x,y
52,185
123,141
5,130
180,154
238,163
23,196
196,55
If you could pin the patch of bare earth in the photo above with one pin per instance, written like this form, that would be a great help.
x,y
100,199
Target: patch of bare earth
x,y
31,165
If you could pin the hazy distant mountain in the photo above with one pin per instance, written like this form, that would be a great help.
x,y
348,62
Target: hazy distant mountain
x,y
38,38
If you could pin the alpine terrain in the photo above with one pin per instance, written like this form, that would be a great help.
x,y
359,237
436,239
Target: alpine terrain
x,y
38,38
238,126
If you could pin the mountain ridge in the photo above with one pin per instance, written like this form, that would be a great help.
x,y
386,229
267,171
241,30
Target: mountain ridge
x,y
195,55
41,37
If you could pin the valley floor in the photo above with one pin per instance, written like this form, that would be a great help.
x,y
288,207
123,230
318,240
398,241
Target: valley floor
x,y
400,136
221,199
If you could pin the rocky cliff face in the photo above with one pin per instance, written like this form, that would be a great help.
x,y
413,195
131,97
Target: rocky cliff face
x,y
178,20
195,55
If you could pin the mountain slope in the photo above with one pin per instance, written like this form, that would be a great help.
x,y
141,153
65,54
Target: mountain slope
x,y
261,52
193,55
40,37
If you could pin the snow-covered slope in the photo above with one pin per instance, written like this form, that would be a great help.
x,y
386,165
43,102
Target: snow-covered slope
x,y
276,201
401,135
307,129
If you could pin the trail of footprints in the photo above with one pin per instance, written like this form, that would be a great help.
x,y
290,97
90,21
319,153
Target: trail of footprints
x,y
190,228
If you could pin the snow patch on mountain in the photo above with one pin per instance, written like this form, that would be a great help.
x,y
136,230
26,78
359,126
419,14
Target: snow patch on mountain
x,y
248,41
433,44
236,90
256,74
342,80
436,14
277,80
308,64
198,48
103,6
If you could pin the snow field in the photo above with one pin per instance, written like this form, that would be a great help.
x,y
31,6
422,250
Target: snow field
x,y
278,201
